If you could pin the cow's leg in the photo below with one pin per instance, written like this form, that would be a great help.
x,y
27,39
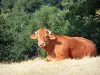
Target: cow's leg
x,y
62,57
59,58
47,59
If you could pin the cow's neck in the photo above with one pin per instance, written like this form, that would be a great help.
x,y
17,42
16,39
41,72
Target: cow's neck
x,y
50,48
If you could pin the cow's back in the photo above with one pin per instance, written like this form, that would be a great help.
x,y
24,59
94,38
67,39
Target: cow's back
x,y
83,47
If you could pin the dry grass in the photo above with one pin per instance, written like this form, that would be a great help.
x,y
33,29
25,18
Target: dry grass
x,y
86,66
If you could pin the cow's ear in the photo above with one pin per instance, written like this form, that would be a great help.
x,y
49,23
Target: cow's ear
x,y
33,36
52,37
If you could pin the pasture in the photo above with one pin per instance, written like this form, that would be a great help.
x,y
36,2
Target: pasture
x,y
37,66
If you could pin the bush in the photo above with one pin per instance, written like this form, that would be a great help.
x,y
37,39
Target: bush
x,y
16,38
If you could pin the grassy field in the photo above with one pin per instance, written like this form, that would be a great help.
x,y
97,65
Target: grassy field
x,y
85,66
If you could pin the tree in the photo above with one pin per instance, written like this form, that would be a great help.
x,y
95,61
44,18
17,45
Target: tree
x,y
8,5
29,6
16,44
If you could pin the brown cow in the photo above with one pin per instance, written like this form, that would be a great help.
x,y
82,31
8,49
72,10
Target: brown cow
x,y
60,47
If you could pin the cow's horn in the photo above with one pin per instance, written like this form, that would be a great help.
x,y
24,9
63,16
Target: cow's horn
x,y
49,32
36,32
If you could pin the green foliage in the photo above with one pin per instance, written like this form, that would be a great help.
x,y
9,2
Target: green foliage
x,y
8,5
41,52
17,34
19,18
51,18
28,5
15,30
80,7
52,2
41,17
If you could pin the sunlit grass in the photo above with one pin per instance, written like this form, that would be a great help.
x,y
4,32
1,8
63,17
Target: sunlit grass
x,y
85,66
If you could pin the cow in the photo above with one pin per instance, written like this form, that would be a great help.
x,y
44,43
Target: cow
x,y
60,47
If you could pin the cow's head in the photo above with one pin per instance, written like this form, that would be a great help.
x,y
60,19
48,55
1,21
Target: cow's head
x,y
44,36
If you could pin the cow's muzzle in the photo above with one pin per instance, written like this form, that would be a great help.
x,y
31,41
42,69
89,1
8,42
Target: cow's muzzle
x,y
41,44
